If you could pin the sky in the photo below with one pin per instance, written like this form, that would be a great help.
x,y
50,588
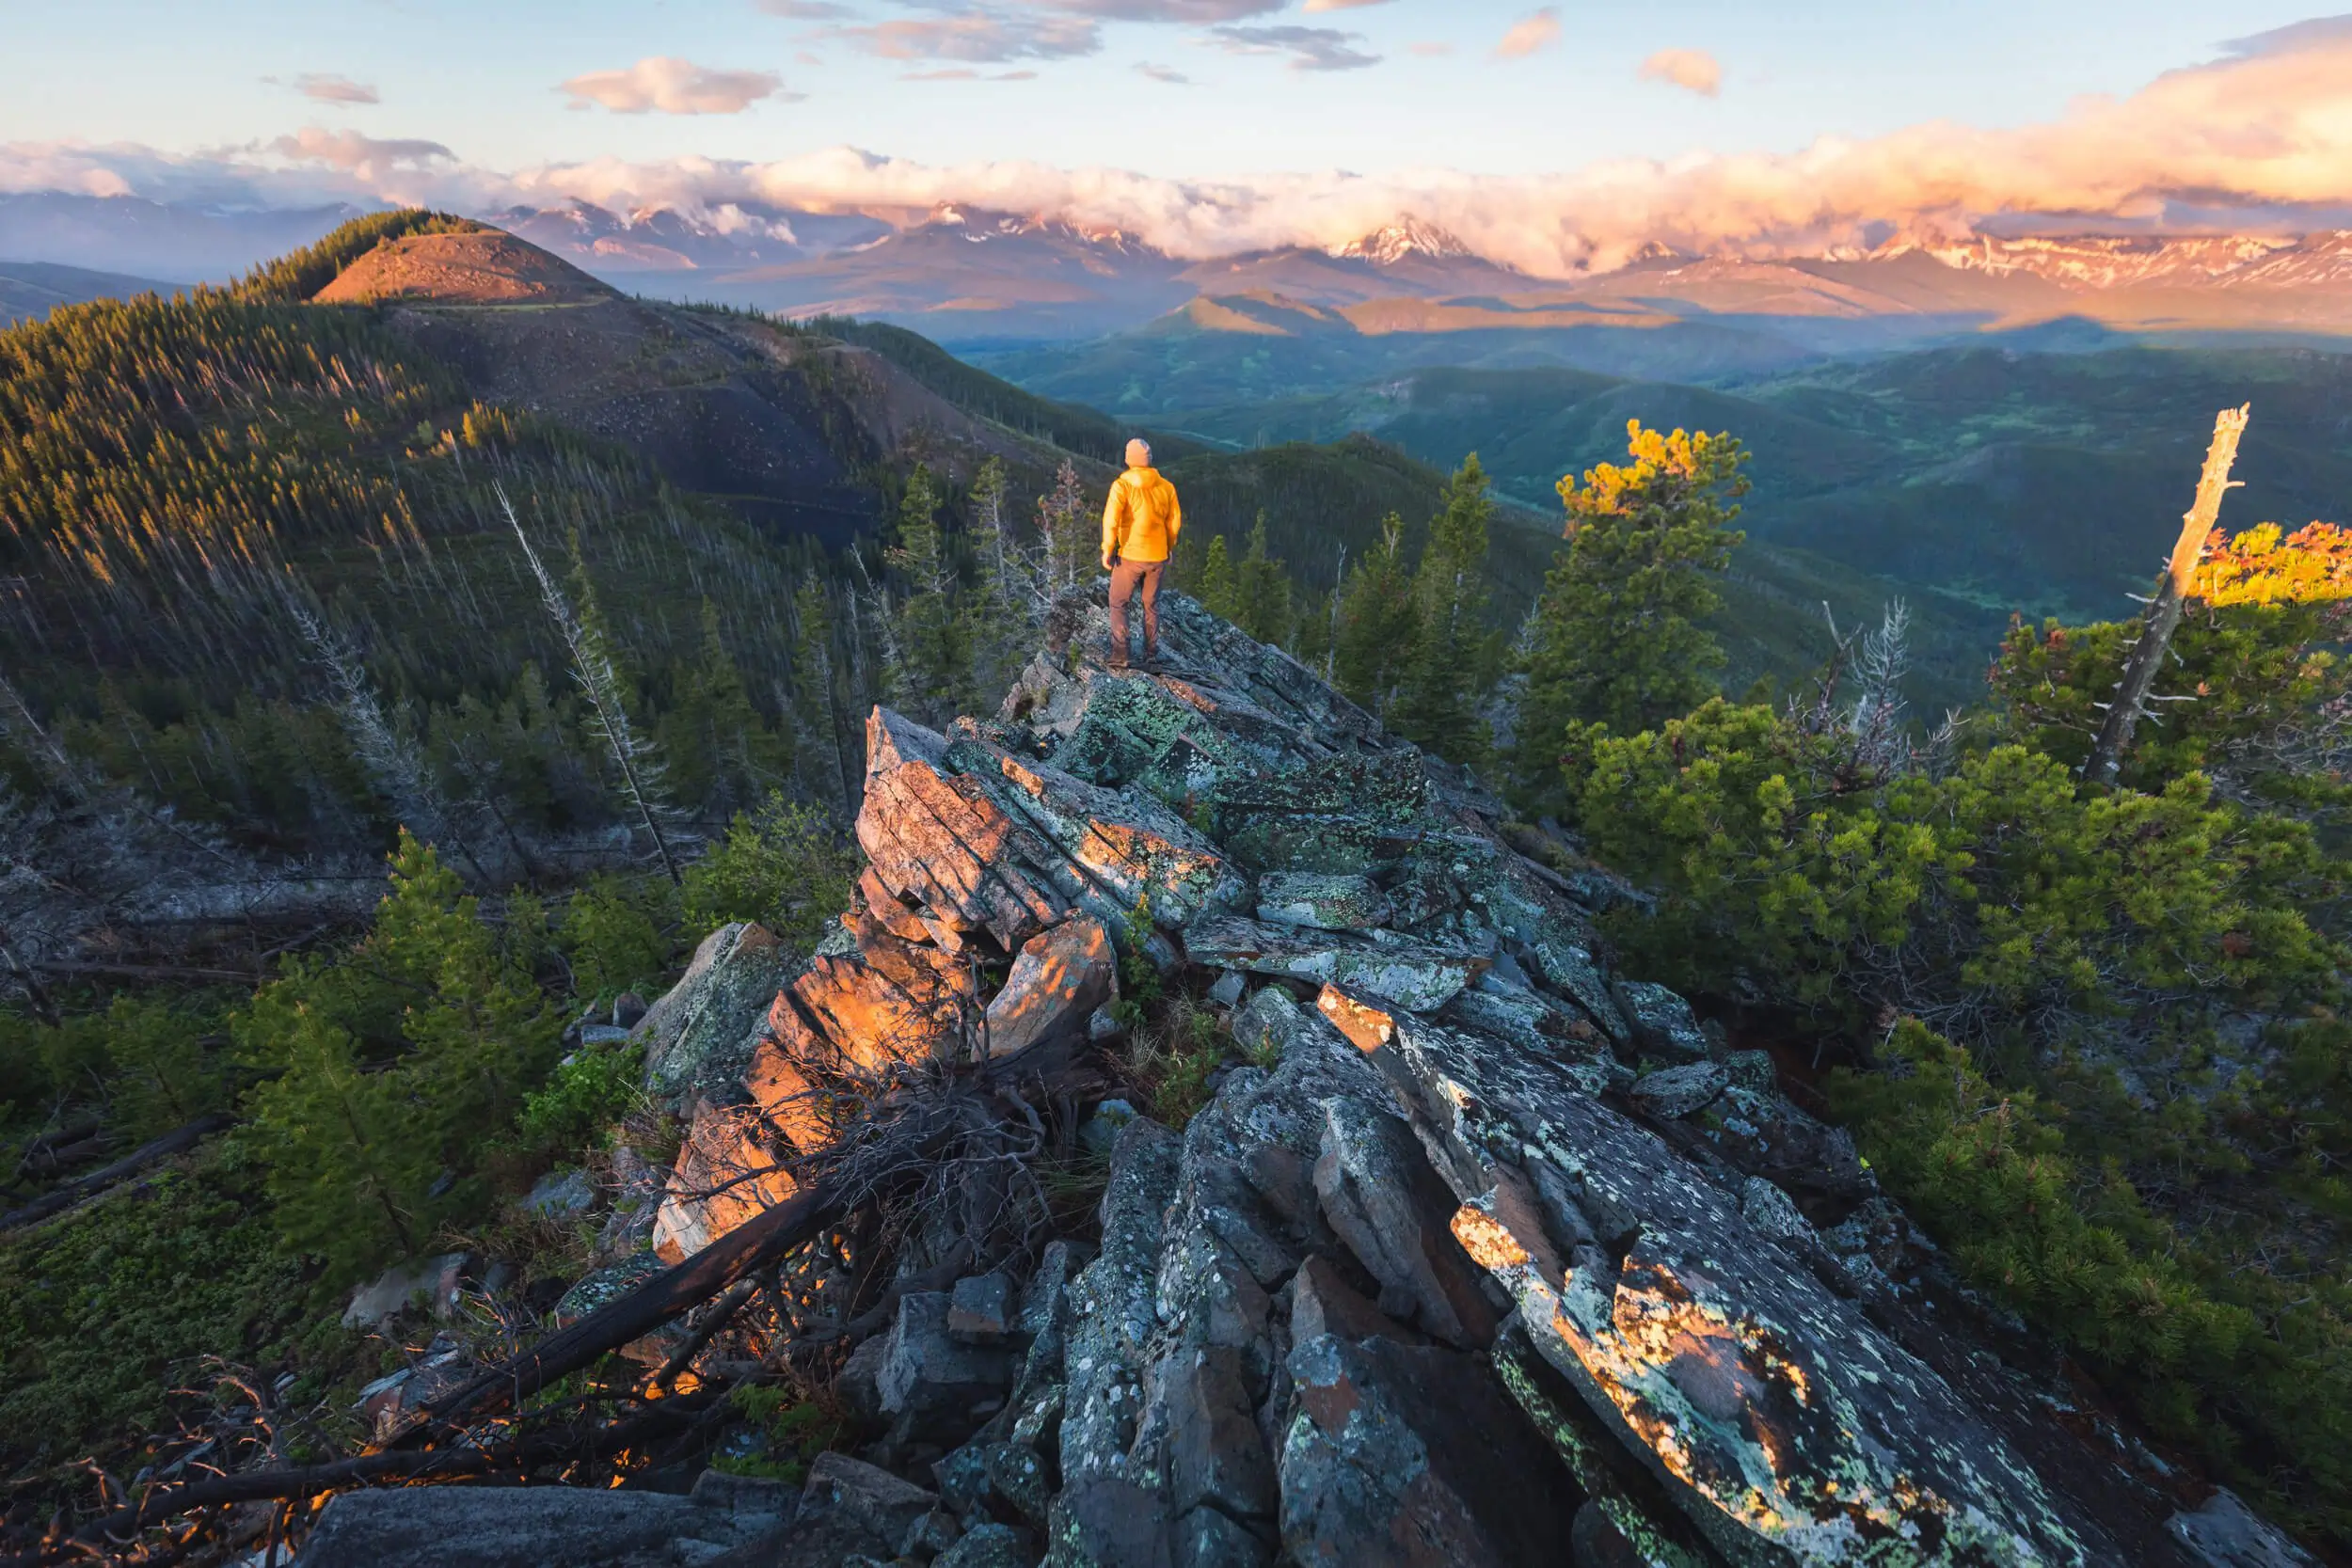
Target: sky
x,y
1210,123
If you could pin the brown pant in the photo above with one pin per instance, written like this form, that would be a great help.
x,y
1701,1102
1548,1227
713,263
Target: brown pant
x,y
1125,577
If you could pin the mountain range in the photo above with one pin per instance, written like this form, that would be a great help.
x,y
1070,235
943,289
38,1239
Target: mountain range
x,y
967,276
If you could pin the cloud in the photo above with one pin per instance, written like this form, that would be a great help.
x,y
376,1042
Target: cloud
x,y
2257,141
354,153
1692,69
1177,11
329,89
807,10
1309,48
1531,34
1162,73
665,85
983,37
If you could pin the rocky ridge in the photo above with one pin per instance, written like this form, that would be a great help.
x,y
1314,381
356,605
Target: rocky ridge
x,y
1480,1252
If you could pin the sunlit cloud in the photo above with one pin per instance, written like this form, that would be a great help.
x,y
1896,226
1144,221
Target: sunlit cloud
x,y
1162,73
982,36
1529,35
1174,11
1309,48
663,85
2258,141
329,89
349,150
1692,69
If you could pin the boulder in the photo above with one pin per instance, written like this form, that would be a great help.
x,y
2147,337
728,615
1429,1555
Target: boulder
x,y
929,1382
515,1527
980,1310
1413,973
1323,1302
432,1286
2223,1532
1761,1133
1413,1456
1673,1093
700,1034
1322,900
561,1195
1661,1022
989,1545
849,1508
726,1173
1059,979
937,841
1380,1194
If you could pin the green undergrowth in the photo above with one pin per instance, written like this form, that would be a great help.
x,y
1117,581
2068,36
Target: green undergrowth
x,y
106,1312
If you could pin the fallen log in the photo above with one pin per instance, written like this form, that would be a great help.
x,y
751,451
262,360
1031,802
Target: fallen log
x,y
175,1142
415,1466
763,1239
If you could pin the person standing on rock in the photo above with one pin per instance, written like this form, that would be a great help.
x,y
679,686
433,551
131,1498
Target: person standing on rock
x,y
1140,522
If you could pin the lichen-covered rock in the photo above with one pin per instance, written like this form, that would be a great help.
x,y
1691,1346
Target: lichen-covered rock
x,y
1413,1457
1381,1196
1661,1022
929,1381
1781,1420
849,1508
1671,1093
1763,1134
1059,979
699,1036
1418,974
516,1526
1324,900
2222,1532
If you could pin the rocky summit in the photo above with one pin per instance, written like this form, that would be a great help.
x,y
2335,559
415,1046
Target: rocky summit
x,y
1479,1252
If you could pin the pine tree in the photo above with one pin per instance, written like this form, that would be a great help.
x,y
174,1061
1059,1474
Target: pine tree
x,y
1010,600
1376,622
1617,638
934,666
1438,705
1262,591
1067,530
1219,593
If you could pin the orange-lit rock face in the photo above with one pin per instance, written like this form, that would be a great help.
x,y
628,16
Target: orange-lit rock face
x,y
726,1174
941,842
891,1002
1367,1026
885,908
1061,977
1733,1414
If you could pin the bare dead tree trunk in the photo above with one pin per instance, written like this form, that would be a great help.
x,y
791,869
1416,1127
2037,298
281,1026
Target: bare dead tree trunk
x,y
2164,610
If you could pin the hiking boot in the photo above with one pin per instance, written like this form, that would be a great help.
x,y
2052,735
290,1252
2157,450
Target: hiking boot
x,y
1118,659
1149,664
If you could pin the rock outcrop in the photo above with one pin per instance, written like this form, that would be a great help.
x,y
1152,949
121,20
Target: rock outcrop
x,y
1489,1255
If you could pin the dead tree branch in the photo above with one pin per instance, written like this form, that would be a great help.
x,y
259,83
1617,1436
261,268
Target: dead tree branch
x,y
2164,612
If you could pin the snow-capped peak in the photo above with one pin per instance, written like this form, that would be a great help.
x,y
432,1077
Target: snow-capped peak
x,y
1407,236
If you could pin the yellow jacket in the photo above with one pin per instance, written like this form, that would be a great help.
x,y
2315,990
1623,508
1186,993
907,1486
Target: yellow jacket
x,y
1142,519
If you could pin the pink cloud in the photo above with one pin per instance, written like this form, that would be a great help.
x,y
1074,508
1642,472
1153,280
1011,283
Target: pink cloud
x,y
664,84
1529,35
1694,69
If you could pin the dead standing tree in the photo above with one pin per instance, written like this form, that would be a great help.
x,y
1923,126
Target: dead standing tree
x,y
2163,617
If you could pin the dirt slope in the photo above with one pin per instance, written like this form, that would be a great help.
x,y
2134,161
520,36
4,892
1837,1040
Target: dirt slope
x,y
485,268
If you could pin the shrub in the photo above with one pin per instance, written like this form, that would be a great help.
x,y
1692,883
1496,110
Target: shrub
x,y
616,932
587,1093
783,865
390,1067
